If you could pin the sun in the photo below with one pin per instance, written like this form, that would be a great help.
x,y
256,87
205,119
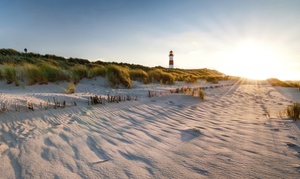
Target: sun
x,y
254,60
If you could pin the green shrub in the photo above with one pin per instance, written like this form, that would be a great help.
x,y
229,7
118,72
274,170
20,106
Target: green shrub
x,y
138,75
97,71
53,73
79,72
118,75
10,74
1,74
34,74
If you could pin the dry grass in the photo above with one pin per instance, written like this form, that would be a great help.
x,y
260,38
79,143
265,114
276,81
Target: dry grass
x,y
118,75
70,88
201,94
139,75
10,74
34,74
157,75
292,111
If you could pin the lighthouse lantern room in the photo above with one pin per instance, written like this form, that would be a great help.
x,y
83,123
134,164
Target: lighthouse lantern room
x,y
171,61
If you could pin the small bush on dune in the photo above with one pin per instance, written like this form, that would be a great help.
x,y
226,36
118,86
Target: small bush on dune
x,y
211,79
201,94
197,129
277,82
293,111
34,74
157,75
190,79
79,72
167,78
118,75
97,71
53,73
70,88
192,92
1,75
10,74
138,75
179,77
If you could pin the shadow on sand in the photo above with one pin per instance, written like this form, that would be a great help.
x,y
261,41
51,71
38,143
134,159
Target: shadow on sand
x,y
190,134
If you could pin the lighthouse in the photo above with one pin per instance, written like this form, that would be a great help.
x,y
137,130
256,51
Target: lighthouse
x,y
171,61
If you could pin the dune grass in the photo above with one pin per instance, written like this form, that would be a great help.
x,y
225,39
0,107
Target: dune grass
x,y
95,71
277,82
41,69
78,72
212,79
10,74
118,75
197,129
53,73
157,75
1,74
201,94
138,75
190,78
34,74
70,88
293,111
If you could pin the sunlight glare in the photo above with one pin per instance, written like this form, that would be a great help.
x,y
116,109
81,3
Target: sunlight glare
x,y
254,60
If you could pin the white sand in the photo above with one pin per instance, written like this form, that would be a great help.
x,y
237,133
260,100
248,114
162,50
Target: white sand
x,y
228,135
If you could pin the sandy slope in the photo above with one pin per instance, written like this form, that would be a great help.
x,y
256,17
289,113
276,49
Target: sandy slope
x,y
228,135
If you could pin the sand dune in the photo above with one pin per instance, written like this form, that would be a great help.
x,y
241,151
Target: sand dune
x,y
227,135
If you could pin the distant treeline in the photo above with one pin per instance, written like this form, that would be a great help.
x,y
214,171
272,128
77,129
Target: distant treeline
x,y
33,68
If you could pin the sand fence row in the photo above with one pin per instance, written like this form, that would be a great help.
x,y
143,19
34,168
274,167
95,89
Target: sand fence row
x,y
17,105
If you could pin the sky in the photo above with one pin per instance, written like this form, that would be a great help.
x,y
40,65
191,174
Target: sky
x,y
251,38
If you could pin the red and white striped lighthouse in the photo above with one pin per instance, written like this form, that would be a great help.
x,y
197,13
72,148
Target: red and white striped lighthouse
x,y
171,61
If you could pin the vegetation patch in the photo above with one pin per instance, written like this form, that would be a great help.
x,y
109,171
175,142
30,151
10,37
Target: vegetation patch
x,y
138,75
97,71
292,111
201,94
277,82
79,72
10,74
70,88
34,74
1,74
190,78
41,69
118,75
157,75
197,130
53,73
